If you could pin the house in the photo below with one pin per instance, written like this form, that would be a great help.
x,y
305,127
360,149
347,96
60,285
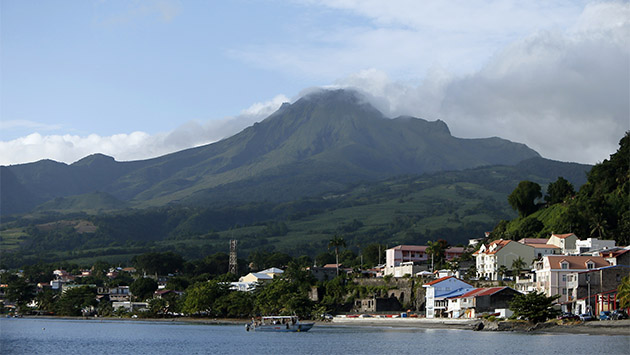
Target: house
x,y
409,254
413,259
164,293
273,272
583,286
566,242
242,286
541,250
534,240
254,277
491,257
552,272
453,252
438,292
480,300
617,256
589,244
115,294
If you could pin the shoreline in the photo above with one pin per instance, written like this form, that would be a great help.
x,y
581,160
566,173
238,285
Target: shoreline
x,y
613,328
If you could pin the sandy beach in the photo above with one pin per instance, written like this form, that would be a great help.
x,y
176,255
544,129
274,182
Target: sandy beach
x,y
618,327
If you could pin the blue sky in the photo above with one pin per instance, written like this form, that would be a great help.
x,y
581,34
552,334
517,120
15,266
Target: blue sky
x,y
137,79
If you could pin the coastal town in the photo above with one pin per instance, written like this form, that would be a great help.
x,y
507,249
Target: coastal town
x,y
479,281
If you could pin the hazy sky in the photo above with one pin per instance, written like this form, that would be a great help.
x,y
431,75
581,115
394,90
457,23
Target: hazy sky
x,y
138,79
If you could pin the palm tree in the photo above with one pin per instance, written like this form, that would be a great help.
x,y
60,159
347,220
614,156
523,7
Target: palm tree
x,y
599,225
623,293
436,249
336,243
518,265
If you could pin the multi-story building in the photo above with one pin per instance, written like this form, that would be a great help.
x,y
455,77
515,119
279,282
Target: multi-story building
x,y
566,242
584,286
590,244
490,257
406,259
552,272
438,292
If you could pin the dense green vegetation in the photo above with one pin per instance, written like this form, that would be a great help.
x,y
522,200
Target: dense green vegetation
x,y
535,306
413,209
600,208
197,287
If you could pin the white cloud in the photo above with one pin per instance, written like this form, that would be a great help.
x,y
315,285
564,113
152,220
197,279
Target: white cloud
x,y
133,146
407,37
553,75
565,94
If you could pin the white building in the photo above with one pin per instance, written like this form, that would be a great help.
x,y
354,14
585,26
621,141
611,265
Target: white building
x,y
438,292
396,256
590,244
490,257
566,242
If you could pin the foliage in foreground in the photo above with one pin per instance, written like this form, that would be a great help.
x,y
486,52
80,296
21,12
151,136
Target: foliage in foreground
x,y
534,307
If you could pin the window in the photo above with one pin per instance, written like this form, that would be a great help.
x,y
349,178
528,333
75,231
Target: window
x,y
590,265
564,291
564,265
564,278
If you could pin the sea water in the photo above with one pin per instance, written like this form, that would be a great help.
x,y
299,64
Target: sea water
x,y
62,336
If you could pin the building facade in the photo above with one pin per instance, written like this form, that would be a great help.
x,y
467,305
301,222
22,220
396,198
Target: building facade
x,y
552,272
438,292
489,258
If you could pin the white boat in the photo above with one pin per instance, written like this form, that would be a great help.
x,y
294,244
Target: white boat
x,y
278,324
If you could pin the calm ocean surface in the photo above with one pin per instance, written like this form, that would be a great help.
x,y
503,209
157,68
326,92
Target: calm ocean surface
x,y
58,336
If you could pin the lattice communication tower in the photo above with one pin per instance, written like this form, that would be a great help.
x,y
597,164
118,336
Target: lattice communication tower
x,y
233,260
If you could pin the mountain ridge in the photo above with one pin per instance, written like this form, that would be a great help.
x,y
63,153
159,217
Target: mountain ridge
x,y
326,139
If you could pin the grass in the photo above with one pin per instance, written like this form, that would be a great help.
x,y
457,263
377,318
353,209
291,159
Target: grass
x,y
10,239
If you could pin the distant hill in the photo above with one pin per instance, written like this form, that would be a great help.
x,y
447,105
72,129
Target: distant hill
x,y
410,209
319,144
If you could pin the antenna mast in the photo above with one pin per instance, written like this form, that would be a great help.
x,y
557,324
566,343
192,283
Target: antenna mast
x,y
233,261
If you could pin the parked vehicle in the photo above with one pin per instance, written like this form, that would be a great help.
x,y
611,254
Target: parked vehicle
x,y
586,317
619,314
604,315
569,316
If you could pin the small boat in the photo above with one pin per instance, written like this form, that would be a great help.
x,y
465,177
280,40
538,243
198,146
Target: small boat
x,y
278,324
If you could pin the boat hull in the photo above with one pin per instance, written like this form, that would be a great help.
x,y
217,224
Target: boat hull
x,y
295,328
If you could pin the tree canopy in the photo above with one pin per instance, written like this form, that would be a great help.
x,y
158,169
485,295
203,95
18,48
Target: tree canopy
x,y
143,288
523,198
559,190
535,306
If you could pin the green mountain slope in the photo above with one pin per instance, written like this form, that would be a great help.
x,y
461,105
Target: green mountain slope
x,y
320,143
454,205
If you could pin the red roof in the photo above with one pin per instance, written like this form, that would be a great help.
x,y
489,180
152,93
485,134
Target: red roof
x,y
542,246
576,262
534,240
562,236
500,244
438,280
332,266
484,291
411,247
443,279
